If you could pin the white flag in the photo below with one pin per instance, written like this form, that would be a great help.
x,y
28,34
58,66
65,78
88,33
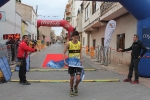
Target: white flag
x,y
108,34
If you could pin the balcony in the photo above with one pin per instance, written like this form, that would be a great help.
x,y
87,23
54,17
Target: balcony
x,y
93,23
111,10
106,6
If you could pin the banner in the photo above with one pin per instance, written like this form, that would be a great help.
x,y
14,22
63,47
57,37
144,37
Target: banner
x,y
108,34
146,38
73,62
4,70
7,65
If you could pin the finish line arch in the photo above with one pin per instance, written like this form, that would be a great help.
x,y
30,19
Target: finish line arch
x,y
140,9
56,23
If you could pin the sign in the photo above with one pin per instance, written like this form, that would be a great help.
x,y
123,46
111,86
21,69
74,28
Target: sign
x,y
11,36
2,16
146,38
7,65
108,33
4,70
50,23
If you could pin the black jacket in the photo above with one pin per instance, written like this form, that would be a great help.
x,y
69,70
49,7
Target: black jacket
x,y
136,49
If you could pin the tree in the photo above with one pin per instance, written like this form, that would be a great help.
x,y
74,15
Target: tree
x,y
18,0
38,34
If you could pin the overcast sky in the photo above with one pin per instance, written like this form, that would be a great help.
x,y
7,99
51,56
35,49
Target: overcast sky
x,y
49,8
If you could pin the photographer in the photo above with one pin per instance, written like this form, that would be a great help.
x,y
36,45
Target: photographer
x,y
23,49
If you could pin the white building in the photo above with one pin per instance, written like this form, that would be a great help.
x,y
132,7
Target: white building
x,y
12,25
30,16
70,15
95,18
75,5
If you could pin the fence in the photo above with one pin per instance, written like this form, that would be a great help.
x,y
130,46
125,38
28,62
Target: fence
x,y
6,51
104,58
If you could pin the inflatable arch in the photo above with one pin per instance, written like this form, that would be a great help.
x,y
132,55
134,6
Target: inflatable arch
x,y
56,23
140,9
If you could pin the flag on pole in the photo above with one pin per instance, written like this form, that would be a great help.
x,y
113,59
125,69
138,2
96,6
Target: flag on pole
x,y
108,34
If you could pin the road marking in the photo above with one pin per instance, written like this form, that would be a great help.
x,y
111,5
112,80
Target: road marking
x,y
47,70
66,81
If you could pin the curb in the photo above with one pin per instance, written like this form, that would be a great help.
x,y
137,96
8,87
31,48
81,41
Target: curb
x,y
67,81
48,70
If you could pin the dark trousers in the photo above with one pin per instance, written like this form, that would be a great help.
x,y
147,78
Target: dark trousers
x,y
22,71
12,54
134,65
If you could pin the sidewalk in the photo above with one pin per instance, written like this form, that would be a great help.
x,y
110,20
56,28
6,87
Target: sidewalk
x,y
117,68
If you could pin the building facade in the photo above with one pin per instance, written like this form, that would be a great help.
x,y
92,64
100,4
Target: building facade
x,y
70,15
30,16
12,24
53,36
47,32
96,16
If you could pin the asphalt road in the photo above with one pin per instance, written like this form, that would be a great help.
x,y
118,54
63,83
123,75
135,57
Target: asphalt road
x,y
60,91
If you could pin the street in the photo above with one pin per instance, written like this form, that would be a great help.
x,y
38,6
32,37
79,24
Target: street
x,y
60,91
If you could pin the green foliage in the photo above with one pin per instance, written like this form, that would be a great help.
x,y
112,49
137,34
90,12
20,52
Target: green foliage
x,y
18,0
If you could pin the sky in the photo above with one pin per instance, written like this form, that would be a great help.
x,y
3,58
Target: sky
x,y
49,8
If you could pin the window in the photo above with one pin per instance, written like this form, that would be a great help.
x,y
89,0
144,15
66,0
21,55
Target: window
x,y
94,43
95,6
87,12
121,41
102,41
83,40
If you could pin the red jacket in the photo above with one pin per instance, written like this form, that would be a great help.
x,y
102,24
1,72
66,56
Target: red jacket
x,y
24,49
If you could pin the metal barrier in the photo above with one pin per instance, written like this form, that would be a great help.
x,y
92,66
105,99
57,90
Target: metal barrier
x,y
6,50
102,57
11,51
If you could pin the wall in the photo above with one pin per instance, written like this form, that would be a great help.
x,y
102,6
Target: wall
x,y
125,25
76,6
12,24
46,31
13,21
34,24
25,11
93,16
18,23
28,14
79,27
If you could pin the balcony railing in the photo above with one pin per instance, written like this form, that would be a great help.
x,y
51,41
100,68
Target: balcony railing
x,y
106,6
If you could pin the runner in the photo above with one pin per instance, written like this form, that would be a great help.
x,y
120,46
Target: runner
x,y
74,48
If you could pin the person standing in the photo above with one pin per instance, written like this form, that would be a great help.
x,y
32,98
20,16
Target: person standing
x,y
74,48
136,54
23,50
11,43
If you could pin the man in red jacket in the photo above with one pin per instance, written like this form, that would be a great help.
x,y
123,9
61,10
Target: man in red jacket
x,y
23,50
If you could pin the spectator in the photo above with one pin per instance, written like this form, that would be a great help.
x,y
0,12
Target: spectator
x,y
22,55
136,54
11,43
